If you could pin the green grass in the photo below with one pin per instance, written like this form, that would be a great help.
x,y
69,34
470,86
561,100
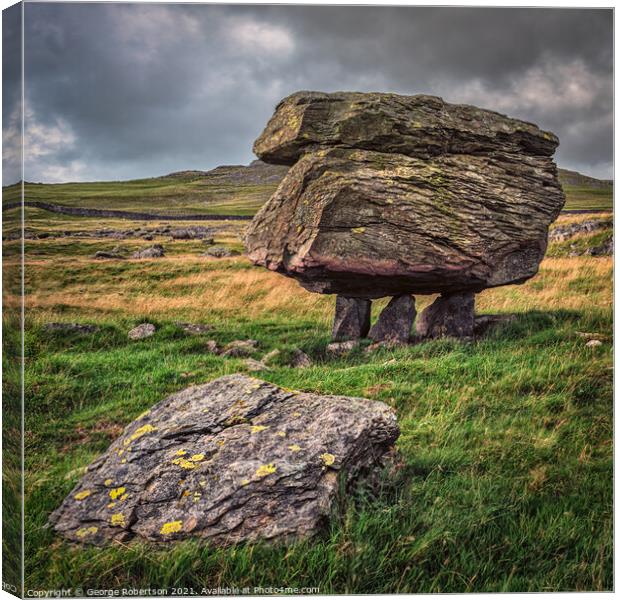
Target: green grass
x,y
505,483
588,198
505,475
168,195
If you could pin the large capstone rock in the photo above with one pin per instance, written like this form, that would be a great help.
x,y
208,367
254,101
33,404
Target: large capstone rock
x,y
232,460
419,126
392,195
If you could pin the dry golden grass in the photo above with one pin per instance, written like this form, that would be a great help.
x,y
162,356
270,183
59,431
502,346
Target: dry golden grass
x,y
204,288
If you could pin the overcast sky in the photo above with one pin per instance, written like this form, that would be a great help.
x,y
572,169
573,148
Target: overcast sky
x,y
120,91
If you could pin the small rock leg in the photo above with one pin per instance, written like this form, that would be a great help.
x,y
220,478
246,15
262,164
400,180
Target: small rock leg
x,y
451,315
352,319
395,321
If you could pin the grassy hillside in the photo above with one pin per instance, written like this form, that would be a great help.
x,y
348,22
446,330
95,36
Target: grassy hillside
x,y
234,190
505,478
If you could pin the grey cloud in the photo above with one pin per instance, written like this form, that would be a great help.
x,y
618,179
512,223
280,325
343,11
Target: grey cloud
x,y
133,90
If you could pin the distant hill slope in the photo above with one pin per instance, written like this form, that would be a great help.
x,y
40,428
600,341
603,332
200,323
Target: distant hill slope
x,y
577,179
232,190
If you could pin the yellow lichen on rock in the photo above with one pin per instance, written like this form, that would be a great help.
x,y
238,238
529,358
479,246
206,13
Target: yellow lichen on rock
x,y
84,531
197,457
258,428
171,527
294,448
83,494
117,492
281,433
184,463
245,482
328,459
108,482
181,452
265,470
117,520
138,433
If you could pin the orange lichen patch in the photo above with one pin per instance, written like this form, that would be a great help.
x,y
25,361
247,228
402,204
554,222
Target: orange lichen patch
x,y
85,531
294,448
258,428
117,492
171,527
117,520
124,497
112,505
186,493
328,459
265,470
83,494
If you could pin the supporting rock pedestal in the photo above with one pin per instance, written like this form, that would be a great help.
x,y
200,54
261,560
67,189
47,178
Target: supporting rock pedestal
x,y
395,321
450,315
352,319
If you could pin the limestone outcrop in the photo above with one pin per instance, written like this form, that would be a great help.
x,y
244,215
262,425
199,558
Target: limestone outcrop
x,y
233,460
396,195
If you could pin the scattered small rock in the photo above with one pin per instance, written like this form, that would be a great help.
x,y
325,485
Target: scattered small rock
x,y
388,344
271,357
154,251
594,343
300,360
342,348
240,348
194,328
212,347
71,328
255,365
190,233
484,323
102,254
564,232
220,252
142,331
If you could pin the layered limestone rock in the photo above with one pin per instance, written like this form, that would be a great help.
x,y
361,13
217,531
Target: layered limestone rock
x,y
395,195
233,460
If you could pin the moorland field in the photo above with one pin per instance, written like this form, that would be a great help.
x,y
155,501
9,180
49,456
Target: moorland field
x,y
504,481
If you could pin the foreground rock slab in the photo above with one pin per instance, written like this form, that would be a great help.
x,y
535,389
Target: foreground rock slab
x,y
233,460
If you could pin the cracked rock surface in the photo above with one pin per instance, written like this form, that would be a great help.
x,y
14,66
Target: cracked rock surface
x,y
232,460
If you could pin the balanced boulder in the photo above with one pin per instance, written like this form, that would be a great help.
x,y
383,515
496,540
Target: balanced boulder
x,y
395,195
233,460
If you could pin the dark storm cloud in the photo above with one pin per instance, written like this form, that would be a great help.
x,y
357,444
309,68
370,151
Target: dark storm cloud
x,y
129,90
